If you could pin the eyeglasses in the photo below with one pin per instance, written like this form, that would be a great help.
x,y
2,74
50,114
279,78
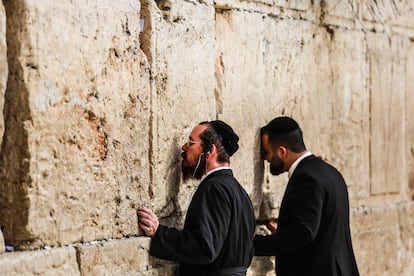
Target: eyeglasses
x,y
191,142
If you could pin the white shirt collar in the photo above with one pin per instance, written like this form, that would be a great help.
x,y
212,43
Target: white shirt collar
x,y
218,169
295,164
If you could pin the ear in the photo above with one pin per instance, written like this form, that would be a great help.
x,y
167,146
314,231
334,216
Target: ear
x,y
282,150
213,150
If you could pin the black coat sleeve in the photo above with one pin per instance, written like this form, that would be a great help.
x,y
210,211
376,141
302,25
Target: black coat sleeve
x,y
299,220
204,232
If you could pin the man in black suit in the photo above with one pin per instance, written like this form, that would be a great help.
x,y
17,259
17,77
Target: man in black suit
x,y
313,234
217,238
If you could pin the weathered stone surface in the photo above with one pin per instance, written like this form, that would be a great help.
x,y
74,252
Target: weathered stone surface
x,y
260,62
263,266
75,158
271,7
298,78
369,14
405,249
350,105
239,76
121,257
341,9
3,66
301,5
387,95
398,13
2,245
180,40
58,261
382,238
297,84
410,118
97,112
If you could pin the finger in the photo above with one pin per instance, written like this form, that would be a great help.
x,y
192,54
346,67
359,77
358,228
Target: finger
x,y
141,214
144,215
144,209
148,230
274,225
141,211
144,221
145,228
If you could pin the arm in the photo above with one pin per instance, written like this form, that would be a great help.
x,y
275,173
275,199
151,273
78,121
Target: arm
x,y
302,209
203,236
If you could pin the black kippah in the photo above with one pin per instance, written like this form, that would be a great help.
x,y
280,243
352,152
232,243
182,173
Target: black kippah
x,y
229,137
282,125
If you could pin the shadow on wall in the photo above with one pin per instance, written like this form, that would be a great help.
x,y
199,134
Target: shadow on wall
x,y
172,214
14,165
258,172
411,177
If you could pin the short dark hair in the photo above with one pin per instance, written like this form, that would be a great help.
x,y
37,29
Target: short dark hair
x,y
209,137
286,132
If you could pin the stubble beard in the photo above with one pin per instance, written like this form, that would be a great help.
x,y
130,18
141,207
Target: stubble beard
x,y
276,169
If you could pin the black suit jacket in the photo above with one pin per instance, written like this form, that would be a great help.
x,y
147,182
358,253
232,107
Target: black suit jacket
x,y
217,238
313,235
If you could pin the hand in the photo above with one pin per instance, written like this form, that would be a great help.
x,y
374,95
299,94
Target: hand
x,y
147,221
272,226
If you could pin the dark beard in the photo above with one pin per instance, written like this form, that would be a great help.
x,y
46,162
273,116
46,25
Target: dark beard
x,y
188,171
276,170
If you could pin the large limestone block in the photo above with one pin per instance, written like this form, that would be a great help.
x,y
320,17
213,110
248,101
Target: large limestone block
x,y
351,110
277,72
410,118
381,13
3,66
298,78
239,86
387,97
297,82
2,245
121,257
75,162
301,5
59,261
397,13
382,239
179,39
337,10
406,249
252,5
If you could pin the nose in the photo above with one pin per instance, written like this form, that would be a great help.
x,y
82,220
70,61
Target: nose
x,y
184,147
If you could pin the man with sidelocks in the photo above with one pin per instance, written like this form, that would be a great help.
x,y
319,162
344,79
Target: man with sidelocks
x,y
217,238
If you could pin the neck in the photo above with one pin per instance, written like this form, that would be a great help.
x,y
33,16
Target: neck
x,y
293,156
215,165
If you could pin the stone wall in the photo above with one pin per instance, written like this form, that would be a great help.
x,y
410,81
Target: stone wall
x,y
99,96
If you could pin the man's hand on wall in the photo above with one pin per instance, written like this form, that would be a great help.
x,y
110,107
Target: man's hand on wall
x,y
147,221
